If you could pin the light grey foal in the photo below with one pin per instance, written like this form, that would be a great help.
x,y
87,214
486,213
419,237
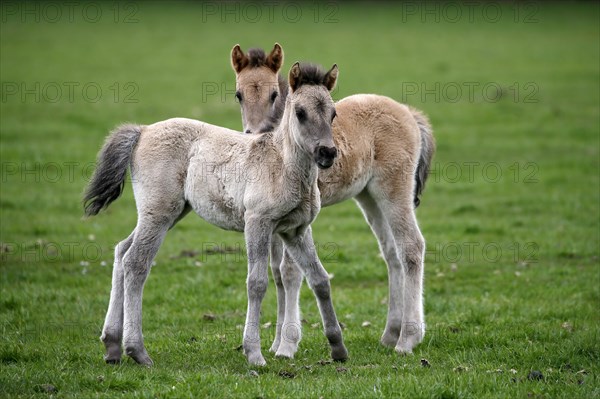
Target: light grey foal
x,y
182,164
384,152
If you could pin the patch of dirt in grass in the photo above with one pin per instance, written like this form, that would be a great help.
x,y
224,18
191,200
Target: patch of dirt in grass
x,y
286,374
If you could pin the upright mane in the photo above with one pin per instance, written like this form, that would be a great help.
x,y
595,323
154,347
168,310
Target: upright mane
x,y
256,57
311,74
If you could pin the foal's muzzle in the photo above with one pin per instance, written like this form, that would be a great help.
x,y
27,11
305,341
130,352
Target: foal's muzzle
x,y
324,156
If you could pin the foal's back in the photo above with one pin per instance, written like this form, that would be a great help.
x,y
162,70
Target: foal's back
x,y
180,162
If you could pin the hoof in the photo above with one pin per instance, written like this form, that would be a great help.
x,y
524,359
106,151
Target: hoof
x,y
112,360
287,349
143,361
408,341
256,359
274,347
113,353
287,353
140,357
388,340
402,351
339,354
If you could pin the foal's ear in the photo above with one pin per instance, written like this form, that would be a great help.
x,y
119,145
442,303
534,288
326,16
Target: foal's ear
x,y
330,78
239,60
275,59
294,77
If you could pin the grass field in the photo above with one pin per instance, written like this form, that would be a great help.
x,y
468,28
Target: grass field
x,y
510,213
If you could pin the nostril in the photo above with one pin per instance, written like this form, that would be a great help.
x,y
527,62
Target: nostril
x,y
328,152
248,131
324,156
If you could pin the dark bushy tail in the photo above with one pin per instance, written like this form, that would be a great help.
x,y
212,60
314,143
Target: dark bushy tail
x,y
111,168
427,151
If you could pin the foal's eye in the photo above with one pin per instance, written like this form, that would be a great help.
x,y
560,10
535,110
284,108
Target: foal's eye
x,y
274,96
238,95
301,114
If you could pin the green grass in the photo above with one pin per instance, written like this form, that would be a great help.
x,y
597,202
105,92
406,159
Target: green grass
x,y
511,279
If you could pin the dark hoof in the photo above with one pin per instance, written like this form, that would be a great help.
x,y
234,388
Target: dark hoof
x,y
339,354
113,354
140,357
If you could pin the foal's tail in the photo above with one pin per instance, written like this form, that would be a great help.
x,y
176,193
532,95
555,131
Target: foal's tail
x,y
427,150
111,168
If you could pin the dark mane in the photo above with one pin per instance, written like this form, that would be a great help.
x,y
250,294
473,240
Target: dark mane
x,y
256,57
311,74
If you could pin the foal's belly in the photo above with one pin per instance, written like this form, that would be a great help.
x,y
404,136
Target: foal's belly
x,y
218,214
214,197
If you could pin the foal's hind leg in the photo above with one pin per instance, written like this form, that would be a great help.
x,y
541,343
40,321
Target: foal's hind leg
x,y
112,332
148,237
387,245
393,194
412,251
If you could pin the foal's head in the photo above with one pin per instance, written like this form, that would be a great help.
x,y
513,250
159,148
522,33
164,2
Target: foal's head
x,y
310,111
258,85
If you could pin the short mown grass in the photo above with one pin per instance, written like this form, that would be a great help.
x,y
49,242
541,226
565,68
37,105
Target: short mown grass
x,y
510,213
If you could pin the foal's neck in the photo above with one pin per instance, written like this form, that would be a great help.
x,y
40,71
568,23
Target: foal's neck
x,y
297,163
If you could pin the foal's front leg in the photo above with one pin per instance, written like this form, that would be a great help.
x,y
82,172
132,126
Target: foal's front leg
x,y
302,250
258,236
276,258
